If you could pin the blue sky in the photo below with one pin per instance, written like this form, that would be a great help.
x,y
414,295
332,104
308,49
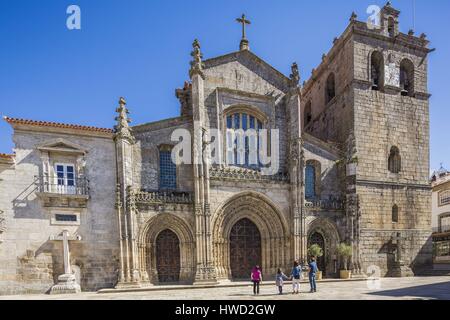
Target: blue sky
x,y
140,49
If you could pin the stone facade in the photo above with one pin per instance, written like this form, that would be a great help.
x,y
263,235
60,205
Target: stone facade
x,y
339,125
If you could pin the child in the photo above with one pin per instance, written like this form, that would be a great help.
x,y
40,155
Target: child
x,y
256,276
296,275
280,277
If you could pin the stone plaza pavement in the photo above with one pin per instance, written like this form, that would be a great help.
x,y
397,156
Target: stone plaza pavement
x,y
417,288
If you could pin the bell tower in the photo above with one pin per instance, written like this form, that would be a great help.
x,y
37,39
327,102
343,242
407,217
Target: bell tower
x,y
389,20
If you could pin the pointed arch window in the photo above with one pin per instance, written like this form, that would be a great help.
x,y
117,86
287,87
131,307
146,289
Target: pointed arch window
x,y
312,180
395,213
395,160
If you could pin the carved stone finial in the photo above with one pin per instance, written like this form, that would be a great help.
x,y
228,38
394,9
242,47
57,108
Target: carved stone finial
x,y
354,16
196,63
122,127
423,36
323,56
295,75
410,32
388,4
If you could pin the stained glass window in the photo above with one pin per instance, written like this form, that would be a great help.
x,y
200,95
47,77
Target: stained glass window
x,y
167,171
310,182
245,122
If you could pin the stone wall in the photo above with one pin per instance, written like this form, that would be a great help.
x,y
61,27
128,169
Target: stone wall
x,y
29,261
146,154
384,119
378,250
331,121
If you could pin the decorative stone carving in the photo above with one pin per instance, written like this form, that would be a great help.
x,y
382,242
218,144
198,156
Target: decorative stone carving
x,y
327,204
351,148
2,223
122,128
268,219
295,75
237,174
196,63
184,95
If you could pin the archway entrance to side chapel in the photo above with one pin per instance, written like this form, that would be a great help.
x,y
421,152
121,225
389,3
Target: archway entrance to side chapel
x,y
317,238
168,257
245,249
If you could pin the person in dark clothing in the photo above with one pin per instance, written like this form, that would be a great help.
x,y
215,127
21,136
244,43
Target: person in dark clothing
x,y
312,274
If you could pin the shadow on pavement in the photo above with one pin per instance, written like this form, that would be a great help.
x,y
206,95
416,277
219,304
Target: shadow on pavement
x,y
439,291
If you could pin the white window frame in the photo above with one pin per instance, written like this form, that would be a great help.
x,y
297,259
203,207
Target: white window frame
x,y
65,188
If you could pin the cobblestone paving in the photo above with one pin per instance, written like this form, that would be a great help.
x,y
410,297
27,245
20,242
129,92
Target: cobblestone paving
x,y
390,289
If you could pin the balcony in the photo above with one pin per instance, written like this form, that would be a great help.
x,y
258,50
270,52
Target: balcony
x,y
441,229
57,192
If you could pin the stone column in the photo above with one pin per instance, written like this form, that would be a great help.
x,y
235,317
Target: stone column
x,y
129,273
293,104
205,271
352,209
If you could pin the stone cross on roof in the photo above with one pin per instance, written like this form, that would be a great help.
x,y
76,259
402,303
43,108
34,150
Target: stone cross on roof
x,y
244,42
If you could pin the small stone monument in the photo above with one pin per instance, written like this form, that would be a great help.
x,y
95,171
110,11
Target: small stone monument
x,y
67,282
400,268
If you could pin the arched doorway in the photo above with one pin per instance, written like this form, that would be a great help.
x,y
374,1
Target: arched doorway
x,y
168,256
317,238
245,248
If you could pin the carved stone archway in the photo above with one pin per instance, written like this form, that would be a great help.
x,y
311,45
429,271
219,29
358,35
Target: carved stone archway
x,y
328,230
147,247
275,246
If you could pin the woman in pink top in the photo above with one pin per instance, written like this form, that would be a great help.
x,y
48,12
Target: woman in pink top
x,y
256,279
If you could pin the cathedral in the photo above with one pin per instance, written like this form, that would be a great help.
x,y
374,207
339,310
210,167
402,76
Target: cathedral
x,y
86,208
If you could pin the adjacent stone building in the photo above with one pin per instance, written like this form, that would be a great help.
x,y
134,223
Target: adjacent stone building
x,y
109,208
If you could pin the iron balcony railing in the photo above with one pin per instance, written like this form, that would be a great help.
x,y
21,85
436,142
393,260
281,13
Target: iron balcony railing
x,y
56,185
